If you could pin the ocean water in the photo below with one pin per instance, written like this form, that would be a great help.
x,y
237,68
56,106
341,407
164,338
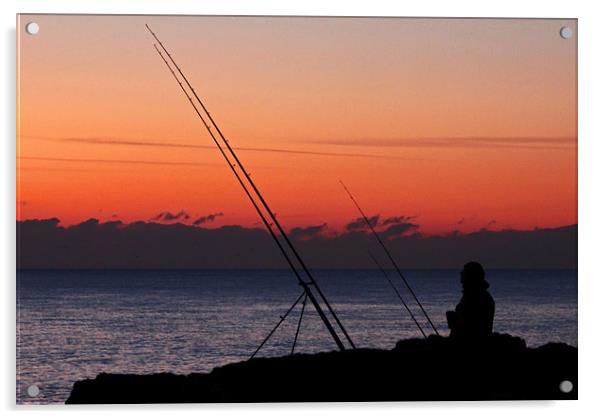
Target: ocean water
x,y
73,325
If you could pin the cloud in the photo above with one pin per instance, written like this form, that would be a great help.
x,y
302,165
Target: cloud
x,y
167,216
42,224
398,219
395,226
89,223
305,233
399,229
54,169
138,143
45,244
360,223
115,161
459,142
207,218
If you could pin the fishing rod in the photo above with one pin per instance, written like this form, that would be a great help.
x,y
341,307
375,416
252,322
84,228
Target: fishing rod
x,y
303,284
389,256
271,214
397,293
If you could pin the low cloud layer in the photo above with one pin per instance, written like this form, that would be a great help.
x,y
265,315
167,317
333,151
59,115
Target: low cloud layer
x,y
168,217
306,233
360,223
397,220
398,229
207,218
44,244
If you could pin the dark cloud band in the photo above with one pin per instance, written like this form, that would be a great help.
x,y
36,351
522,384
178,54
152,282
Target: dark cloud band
x,y
45,244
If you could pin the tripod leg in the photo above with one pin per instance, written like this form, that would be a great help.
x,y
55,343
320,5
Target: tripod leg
x,y
299,324
282,318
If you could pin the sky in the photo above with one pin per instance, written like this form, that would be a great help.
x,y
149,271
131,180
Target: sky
x,y
461,124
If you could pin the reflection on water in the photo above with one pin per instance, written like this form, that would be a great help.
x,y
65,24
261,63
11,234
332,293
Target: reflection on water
x,y
75,324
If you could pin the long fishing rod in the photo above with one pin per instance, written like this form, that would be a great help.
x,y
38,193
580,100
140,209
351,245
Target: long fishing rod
x,y
401,275
303,284
312,280
403,301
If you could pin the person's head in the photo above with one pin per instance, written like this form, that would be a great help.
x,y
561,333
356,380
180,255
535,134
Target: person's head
x,y
473,277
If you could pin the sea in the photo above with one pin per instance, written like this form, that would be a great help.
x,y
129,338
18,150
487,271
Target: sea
x,y
75,324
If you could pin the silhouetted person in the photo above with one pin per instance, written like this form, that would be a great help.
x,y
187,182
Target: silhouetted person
x,y
473,317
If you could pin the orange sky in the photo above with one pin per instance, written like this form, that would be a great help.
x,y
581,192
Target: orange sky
x,y
448,120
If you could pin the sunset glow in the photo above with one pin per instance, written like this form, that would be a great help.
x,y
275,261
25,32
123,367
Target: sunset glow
x,y
445,120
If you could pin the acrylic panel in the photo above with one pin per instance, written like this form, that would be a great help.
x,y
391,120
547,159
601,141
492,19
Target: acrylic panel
x,y
269,209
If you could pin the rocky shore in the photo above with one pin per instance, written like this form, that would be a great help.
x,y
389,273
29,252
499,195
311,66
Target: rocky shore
x,y
437,368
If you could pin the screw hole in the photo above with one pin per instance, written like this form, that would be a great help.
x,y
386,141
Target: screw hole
x,y
32,28
566,32
33,390
566,386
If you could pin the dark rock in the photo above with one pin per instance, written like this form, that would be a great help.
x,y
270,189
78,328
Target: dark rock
x,y
437,368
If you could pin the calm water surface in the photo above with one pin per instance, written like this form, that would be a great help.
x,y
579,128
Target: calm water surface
x,y
75,324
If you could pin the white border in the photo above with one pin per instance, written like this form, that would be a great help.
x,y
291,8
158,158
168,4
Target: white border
x,y
590,68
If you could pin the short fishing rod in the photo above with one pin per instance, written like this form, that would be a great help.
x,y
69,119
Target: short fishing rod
x,y
398,294
303,284
389,256
265,205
